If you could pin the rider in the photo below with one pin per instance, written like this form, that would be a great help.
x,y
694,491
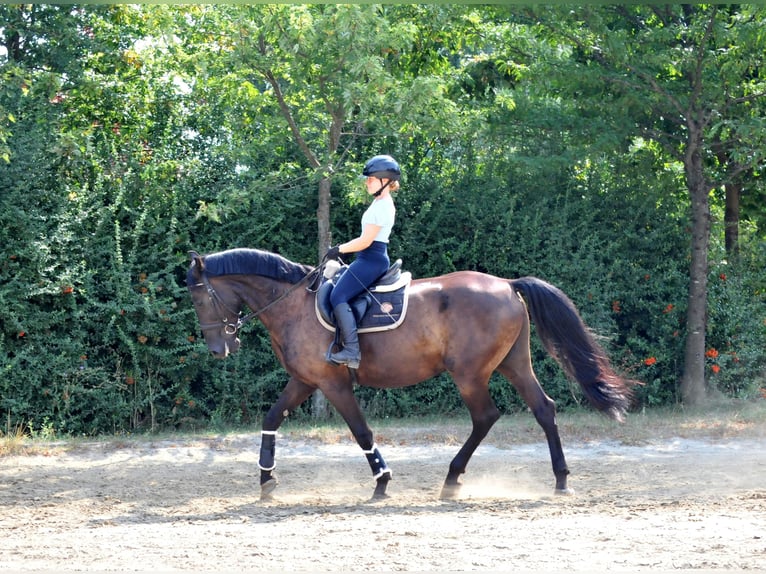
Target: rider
x,y
383,174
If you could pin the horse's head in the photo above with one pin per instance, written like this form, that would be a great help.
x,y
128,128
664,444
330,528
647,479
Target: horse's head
x,y
216,308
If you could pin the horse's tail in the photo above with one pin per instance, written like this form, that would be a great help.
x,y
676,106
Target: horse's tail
x,y
568,340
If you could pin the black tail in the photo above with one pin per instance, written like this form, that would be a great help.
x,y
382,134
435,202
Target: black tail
x,y
568,340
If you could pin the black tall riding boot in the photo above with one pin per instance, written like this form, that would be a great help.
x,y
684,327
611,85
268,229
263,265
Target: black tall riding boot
x,y
350,354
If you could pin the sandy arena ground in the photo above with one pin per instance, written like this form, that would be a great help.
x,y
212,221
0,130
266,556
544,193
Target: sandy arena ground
x,y
670,503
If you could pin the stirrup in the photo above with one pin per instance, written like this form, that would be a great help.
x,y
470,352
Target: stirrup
x,y
350,362
328,355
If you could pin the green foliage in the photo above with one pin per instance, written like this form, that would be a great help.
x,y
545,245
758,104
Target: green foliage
x,y
122,147
435,396
735,363
620,255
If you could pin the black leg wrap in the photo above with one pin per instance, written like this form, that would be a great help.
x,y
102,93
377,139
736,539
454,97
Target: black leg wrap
x,y
268,443
377,464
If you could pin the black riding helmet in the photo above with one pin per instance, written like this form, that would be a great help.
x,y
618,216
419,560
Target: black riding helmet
x,y
382,167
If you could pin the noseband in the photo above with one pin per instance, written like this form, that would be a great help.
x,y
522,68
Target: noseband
x,y
232,327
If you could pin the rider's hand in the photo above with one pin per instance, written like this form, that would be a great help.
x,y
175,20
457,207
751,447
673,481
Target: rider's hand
x,y
332,253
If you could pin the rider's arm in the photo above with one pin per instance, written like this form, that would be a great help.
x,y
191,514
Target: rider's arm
x,y
369,233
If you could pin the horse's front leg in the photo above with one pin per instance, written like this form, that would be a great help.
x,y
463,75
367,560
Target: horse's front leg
x,y
342,397
293,395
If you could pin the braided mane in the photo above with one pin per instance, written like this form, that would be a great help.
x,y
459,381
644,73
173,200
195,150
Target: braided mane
x,y
243,261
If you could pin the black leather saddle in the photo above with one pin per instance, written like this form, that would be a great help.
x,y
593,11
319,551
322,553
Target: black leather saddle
x,y
381,307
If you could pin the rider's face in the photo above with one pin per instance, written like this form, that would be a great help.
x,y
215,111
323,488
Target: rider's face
x,y
374,184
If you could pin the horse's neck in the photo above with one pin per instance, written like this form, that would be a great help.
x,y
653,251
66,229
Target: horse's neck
x,y
264,294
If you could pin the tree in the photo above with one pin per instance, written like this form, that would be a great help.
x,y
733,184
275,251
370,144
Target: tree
x,y
691,79
740,126
329,72
333,74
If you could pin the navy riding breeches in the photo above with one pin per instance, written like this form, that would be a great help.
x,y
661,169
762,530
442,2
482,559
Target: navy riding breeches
x,y
366,268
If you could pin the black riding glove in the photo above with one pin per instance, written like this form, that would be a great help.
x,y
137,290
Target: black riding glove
x,y
332,253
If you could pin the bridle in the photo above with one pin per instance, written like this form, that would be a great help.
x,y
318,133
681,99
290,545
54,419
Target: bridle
x,y
231,327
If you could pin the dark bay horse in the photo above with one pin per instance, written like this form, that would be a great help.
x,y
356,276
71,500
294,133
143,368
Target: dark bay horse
x,y
467,323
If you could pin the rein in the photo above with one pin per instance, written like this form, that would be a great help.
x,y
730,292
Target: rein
x,y
230,327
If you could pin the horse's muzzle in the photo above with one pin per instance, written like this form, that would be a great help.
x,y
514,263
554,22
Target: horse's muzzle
x,y
223,348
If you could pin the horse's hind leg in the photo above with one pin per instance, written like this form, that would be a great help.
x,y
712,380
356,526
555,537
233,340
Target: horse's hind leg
x,y
484,414
517,368
292,395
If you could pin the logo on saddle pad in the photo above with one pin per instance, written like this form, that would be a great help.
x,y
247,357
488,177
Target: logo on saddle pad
x,y
380,308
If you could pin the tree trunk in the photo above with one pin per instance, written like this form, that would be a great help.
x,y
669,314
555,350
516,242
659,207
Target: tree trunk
x,y
733,195
731,219
320,408
693,390
324,237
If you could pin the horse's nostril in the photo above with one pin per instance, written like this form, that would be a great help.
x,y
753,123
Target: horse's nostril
x,y
220,353
232,347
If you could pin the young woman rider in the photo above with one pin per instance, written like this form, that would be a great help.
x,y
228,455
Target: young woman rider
x,y
371,248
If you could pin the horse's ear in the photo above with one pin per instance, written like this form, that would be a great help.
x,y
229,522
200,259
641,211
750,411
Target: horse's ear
x,y
196,260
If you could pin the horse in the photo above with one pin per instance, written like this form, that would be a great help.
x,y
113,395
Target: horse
x,y
467,323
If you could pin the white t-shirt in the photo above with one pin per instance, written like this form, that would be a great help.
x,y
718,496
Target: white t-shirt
x,y
381,212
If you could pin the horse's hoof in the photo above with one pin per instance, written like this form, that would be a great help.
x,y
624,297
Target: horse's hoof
x,y
380,491
378,496
564,492
449,492
267,488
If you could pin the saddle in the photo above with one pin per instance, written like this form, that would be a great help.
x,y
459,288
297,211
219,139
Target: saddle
x,y
381,307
